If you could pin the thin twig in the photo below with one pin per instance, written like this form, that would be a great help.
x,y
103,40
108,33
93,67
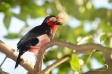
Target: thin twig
x,y
87,60
3,61
50,67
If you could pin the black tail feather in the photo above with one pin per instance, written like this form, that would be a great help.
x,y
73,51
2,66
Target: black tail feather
x,y
24,47
18,59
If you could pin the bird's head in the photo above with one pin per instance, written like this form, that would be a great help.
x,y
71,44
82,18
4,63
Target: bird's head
x,y
53,20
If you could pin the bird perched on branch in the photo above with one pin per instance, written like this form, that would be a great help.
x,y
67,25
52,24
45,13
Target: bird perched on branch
x,y
38,36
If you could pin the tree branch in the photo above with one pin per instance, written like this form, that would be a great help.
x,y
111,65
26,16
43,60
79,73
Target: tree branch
x,y
11,53
58,62
108,60
3,61
79,49
102,70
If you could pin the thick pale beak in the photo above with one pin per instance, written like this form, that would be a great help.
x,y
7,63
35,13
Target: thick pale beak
x,y
59,21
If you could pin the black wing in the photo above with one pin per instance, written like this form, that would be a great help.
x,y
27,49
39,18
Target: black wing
x,y
35,32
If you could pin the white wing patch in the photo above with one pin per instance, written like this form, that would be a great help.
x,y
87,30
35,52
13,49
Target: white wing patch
x,y
43,39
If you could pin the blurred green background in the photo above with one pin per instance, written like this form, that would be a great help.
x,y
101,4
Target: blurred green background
x,y
84,19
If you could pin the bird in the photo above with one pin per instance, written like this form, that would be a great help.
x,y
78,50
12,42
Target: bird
x,y
38,36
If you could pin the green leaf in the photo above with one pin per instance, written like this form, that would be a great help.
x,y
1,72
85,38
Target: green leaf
x,y
7,1
74,62
99,57
88,65
106,42
64,68
36,11
22,16
4,7
7,20
110,1
12,36
102,38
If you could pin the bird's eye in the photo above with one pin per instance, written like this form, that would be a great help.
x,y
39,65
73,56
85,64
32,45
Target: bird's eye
x,y
53,19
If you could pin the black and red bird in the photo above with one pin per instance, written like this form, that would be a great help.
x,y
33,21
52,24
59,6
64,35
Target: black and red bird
x,y
38,36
